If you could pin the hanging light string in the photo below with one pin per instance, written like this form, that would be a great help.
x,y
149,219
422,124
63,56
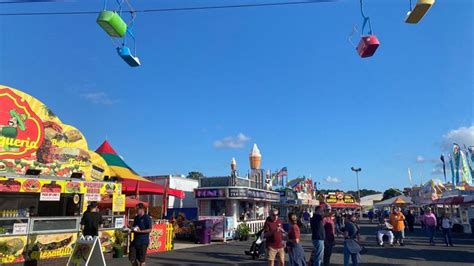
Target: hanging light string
x,y
171,9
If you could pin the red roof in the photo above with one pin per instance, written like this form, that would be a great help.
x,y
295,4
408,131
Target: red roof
x,y
450,201
342,205
106,148
129,187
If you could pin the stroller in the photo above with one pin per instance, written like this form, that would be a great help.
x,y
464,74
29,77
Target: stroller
x,y
257,250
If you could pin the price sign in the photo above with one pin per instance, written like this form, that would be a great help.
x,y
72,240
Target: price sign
x,y
92,197
119,223
50,196
118,203
20,228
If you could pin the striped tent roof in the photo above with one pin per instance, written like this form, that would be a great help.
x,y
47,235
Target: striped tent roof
x,y
116,164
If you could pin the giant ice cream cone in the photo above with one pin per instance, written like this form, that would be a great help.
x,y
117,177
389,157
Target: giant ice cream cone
x,y
255,158
233,165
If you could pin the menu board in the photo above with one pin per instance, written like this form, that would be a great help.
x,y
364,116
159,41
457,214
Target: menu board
x,y
38,185
87,252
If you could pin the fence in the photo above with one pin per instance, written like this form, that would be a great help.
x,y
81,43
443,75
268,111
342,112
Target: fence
x,y
255,226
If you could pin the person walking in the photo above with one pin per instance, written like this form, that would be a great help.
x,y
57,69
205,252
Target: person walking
x,y
141,229
446,226
370,214
91,221
339,222
318,236
397,220
351,244
410,218
429,220
329,240
295,249
273,232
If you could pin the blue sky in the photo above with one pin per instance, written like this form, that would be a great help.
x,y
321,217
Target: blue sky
x,y
286,78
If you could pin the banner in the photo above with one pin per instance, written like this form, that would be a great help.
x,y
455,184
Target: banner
x,y
457,161
157,239
12,248
451,164
33,137
466,172
51,245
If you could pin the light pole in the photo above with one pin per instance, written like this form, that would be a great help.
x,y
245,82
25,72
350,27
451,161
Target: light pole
x,y
357,170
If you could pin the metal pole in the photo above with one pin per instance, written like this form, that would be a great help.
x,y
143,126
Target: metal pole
x,y
358,189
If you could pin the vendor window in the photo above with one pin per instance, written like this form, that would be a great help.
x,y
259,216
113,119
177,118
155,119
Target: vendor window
x,y
218,207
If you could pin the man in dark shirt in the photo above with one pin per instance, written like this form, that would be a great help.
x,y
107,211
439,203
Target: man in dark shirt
x,y
318,236
273,230
141,228
91,221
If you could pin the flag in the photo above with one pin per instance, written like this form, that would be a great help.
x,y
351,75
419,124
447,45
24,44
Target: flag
x,y
457,161
466,172
451,164
470,159
444,167
410,177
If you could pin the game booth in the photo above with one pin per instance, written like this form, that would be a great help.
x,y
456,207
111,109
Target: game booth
x,y
47,177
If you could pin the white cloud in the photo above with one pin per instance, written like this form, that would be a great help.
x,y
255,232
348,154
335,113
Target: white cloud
x,y
437,171
420,159
462,136
99,98
331,179
232,142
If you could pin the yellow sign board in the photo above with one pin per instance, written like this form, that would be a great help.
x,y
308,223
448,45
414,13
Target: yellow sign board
x,y
118,203
51,246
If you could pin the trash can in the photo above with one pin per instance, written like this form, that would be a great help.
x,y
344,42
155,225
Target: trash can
x,y
202,231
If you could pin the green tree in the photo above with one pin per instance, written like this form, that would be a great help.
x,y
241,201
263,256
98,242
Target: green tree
x,y
195,175
390,193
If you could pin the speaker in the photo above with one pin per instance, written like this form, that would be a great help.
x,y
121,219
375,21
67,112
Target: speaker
x,y
33,172
76,175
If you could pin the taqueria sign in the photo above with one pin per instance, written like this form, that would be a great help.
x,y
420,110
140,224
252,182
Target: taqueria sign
x,y
33,137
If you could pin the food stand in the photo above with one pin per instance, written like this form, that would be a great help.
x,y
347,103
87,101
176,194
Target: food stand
x,y
47,177
341,201
236,198
135,185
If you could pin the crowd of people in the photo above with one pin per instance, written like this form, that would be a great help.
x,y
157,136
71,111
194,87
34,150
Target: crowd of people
x,y
326,225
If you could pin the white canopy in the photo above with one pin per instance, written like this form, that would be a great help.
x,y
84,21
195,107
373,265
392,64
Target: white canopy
x,y
394,201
